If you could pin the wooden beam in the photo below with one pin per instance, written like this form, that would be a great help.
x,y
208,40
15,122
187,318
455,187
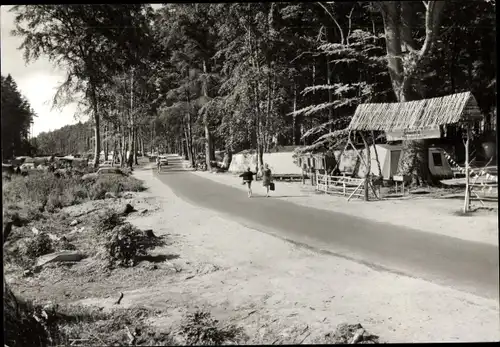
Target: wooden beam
x,y
467,172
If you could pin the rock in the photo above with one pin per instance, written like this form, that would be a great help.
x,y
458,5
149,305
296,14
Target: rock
x,y
353,334
109,195
62,256
76,230
149,233
73,223
27,273
149,266
35,231
53,237
128,209
49,307
128,195
144,211
206,269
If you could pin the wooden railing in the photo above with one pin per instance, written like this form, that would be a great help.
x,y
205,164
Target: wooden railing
x,y
346,186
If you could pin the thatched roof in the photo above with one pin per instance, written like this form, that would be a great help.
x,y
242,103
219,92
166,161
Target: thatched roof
x,y
420,114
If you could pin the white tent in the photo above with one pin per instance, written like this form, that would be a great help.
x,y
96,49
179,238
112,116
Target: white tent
x,y
389,157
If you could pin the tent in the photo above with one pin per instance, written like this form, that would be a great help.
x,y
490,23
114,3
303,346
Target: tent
x,y
390,155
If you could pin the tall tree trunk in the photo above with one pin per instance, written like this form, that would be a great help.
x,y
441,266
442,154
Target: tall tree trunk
x,y
294,119
330,94
397,26
136,146
97,131
208,137
123,145
106,144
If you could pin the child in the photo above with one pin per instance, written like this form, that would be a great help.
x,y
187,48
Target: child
x,y
248,178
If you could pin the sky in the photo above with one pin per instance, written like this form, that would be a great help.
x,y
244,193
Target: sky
x,y
37,81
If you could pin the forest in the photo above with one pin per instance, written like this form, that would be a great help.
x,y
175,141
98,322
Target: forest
x,y
195,78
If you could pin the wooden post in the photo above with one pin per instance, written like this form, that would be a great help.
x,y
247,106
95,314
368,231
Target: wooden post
x,y
467,174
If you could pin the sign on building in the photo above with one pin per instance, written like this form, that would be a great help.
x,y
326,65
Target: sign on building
x,y
413,134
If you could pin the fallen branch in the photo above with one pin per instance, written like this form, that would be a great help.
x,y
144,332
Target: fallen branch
x,y
87,212
119,299
308,334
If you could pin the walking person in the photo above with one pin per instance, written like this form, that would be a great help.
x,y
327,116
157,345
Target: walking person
x,y
247,179
158,164
267,178
130,160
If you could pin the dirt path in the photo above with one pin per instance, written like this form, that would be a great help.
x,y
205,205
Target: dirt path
x,y
274,289
440,217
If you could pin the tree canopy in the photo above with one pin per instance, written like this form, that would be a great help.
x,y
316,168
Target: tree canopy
x,y
17,116
193,78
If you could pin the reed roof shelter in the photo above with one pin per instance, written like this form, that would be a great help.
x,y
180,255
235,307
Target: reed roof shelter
x,y
420,119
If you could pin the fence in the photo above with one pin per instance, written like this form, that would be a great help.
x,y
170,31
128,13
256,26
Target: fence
x,y
346,186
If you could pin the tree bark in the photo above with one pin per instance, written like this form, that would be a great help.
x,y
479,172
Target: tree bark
x,y
397,26
97,131
106,146
208,137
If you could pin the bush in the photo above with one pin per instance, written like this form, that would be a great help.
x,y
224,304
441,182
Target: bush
x,y
40,245
125,244
199,328
115,184
107,221
20,327
64,245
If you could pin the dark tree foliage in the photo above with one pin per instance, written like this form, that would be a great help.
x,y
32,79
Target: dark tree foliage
x,y
17,115
192,78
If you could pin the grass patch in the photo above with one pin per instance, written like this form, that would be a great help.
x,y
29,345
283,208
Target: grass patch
x,y
200,328
115,184
45,191
89,326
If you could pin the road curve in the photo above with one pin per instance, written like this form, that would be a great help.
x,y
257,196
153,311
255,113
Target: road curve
x,y
465,265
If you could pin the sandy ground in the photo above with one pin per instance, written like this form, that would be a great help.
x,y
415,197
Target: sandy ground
x,y
427,214
284,294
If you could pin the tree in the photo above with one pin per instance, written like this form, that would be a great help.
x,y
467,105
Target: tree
x,y
17,116
405,61
88,41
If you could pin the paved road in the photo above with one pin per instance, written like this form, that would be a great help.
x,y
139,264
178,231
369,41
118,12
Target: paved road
x,y
464,265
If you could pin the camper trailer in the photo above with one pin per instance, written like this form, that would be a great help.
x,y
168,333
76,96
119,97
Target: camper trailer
x,y
389,157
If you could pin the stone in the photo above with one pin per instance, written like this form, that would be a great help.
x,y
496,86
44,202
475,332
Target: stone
x,y
127,209
53,237
35,231
77,230
109,195
144,211
62,256
149,233
128,195
73,223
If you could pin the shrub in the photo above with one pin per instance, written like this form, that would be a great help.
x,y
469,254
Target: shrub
x,y
65,245
115,184
107,221
125,244
199,328
20,327
39,245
